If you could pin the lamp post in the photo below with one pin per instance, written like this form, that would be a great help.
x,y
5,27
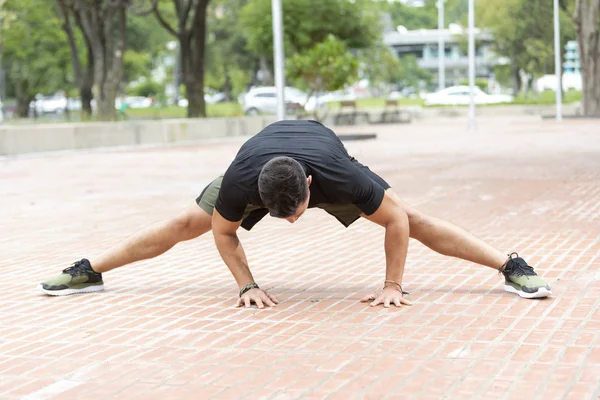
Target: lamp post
x,y
471,66
441,46
278,53
557,69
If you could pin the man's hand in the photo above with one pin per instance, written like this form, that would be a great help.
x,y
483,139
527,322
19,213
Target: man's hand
x,y
258,297
389,295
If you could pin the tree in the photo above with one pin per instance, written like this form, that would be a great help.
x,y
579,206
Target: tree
x,y
190,31
146,42
328,66
230,66
587,21
33,69
413,17
308,22
522,31
103,23
426,17
411,74
83,67
380,66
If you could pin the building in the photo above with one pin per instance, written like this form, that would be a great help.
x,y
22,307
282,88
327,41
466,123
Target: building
x,y
571,63
423,44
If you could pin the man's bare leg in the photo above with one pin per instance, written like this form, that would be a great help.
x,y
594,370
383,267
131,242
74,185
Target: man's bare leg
x,y
449,239
86,277
154,240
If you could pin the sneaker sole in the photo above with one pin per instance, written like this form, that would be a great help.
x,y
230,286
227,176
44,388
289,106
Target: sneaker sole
x,y
541,293
66,292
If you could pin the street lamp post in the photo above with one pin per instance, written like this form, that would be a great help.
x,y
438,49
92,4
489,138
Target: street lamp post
x,y
557,69
278,53
441,46
471,66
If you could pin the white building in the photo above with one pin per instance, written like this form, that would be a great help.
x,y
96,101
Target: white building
x,y
423,43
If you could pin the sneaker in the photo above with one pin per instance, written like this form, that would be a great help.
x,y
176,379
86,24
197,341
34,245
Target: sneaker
x,y
522,280
78,278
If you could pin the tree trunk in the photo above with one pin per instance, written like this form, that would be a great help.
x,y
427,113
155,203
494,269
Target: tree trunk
x,y
192,50
195,72
227,86
84,78
23,106
516,79
587,15
104,27
23,99
86,83
86,101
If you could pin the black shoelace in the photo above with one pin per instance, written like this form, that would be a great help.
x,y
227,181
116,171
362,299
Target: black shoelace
x,y
517,266
78,268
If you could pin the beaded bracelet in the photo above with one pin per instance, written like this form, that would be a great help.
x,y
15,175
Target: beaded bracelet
x,y
248,287
396,283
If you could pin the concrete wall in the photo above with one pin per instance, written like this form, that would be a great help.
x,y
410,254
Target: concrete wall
x,y
22,139
17,139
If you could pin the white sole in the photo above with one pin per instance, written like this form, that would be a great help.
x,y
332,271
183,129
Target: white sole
x,y
541,293
66,292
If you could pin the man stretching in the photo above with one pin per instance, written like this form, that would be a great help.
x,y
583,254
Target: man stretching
x,y
286,168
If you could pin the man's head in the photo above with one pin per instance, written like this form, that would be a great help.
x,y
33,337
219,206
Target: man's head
x,y
283,188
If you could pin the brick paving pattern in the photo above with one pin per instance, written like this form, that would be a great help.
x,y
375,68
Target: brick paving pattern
x,y
167,328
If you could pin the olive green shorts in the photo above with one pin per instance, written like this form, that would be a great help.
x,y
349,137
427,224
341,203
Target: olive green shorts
x,y
345,213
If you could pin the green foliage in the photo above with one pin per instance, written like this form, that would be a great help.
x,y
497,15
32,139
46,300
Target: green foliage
x,y
523,32
380,65
229,65
146,89
146,41
455,11
307,22
240,79
413,17
146,35
327,66
35,50
502,75
137,65
411,74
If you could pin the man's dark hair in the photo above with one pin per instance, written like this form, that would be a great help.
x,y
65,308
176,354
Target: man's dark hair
x,y
282,186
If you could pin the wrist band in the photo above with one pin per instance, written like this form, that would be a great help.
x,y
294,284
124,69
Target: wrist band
x,y
248,287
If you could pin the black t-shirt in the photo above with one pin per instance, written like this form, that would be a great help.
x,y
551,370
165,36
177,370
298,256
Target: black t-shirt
x,y
337,178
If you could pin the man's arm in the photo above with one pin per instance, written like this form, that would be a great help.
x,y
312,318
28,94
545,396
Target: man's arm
x,y
233,255
394,219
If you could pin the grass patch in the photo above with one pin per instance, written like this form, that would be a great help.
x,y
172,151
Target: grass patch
x,y
230,109
548,97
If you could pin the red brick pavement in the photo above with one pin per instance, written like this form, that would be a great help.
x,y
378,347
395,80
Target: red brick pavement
x,y
167,328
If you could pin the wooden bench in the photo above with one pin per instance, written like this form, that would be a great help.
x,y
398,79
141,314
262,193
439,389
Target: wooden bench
x,y
392,114
349,117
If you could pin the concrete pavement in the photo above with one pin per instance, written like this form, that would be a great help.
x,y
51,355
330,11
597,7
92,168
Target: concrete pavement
x,y
167,328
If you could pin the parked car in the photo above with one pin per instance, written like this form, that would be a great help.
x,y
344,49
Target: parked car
x,y
460,95
210,97
263,100
56,104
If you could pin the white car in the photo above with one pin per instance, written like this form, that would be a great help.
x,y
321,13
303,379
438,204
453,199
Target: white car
x,y
209,98
263,100
460,95
56,104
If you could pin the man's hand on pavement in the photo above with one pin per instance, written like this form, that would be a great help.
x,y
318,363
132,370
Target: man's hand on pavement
x,y
389,295
258,297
